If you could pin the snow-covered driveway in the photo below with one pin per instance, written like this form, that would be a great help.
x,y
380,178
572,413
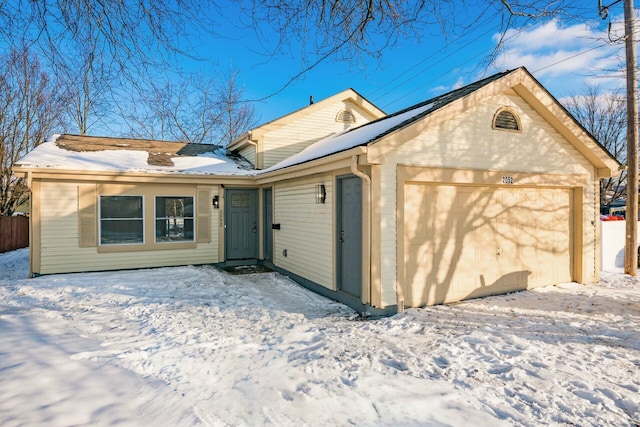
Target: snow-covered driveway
x,y
196,346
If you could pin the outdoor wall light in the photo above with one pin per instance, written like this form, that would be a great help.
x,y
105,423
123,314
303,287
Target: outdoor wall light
x,y
216,202
321,193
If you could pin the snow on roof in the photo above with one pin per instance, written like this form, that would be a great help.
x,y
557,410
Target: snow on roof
x,y
72,152
376,129
349,139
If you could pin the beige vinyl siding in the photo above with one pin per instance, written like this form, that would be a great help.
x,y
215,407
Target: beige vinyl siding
x,y
590,233
388,241
306,229
468,141
61,252
59,227
291,138
249,153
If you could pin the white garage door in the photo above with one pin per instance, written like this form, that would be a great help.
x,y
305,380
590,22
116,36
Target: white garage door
x,y
468,241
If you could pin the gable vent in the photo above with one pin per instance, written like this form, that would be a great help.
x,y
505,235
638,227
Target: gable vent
x,y
345,117
505,119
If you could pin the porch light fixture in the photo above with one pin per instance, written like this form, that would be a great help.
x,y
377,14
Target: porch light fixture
x,y
321,193
216,202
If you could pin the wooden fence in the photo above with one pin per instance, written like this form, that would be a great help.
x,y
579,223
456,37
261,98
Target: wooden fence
x,y
14,233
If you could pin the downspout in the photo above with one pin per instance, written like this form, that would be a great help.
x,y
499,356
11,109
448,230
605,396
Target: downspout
x,y
255,144
367,248
29,178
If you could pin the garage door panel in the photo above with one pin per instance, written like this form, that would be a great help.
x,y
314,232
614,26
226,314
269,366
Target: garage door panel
x,y
477,241
421,260
421,201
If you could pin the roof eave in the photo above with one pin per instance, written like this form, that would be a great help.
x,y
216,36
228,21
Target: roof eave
x,y
542,101
325,163
126,176
240,141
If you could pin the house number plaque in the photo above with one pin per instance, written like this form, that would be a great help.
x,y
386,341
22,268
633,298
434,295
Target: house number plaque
x,y
507,180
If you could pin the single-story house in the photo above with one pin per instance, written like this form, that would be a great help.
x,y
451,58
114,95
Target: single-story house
x,y
488,189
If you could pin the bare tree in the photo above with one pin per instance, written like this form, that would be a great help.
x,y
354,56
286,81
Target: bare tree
x,y
179,111
30,105
121,44
141,32
238,116
197,110
103,49
604,115
92,80
349,29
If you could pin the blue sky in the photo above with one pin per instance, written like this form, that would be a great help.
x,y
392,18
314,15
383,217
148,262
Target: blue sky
x,y
564,54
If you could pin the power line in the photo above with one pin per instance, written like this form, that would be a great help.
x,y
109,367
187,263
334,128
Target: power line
x,y
481,53
413,76
429,56
472,58
571,57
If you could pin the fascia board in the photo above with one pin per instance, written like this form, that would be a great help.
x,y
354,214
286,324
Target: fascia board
x,y
107,176
332,162
547,106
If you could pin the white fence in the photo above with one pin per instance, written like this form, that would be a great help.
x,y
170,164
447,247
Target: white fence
x,y
613,241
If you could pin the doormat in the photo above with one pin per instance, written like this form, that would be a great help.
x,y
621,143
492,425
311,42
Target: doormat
x,y
247,269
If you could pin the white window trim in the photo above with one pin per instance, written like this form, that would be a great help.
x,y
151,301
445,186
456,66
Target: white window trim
x,y
144,237
155,219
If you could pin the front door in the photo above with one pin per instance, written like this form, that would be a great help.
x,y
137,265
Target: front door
x,y
241,229
268,221
349,250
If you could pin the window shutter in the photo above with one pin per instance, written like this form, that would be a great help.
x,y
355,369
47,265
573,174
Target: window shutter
x,y
203,222
87,216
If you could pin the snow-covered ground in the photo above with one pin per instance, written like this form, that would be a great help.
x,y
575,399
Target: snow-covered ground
x,y
196,346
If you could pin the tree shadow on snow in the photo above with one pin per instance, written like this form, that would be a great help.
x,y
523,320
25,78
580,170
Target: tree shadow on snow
x,y
551,317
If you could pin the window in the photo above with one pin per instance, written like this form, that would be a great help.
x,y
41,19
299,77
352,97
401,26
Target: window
x,y
506,119
174,219
121,220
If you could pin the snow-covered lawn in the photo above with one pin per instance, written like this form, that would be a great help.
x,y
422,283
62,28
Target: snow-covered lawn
x,y
196,346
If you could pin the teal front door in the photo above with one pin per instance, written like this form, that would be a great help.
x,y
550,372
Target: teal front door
x,y
241,225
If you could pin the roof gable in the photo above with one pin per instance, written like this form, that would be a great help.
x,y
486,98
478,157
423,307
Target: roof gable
x,y
377,129
346,96
529,89
385,134
559,117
